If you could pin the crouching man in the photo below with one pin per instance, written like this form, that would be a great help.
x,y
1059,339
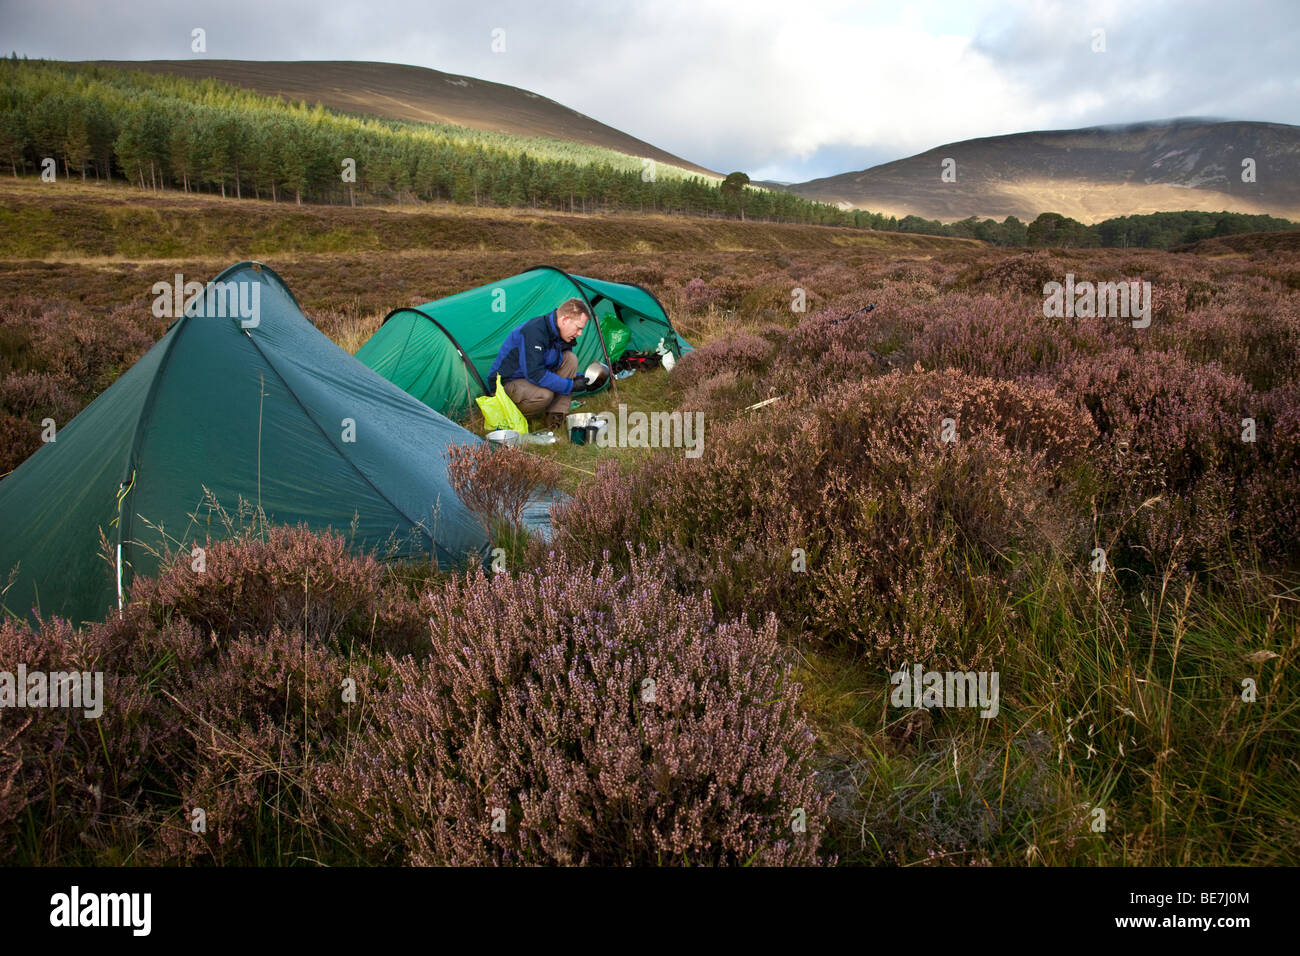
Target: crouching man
x,y
538,368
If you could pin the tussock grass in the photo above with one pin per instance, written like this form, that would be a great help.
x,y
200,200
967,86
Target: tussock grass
x,y
67,220
1132,707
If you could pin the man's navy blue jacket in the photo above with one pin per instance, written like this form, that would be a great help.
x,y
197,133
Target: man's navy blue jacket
x,y
532,352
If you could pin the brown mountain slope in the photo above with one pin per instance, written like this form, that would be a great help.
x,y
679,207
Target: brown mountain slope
x,y
402,92
1088,174
1250,243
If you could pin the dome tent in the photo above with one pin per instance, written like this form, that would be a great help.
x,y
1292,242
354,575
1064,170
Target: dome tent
x,y
441,352
273,413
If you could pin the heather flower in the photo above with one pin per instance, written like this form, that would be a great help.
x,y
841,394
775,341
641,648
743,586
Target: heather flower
x,y
496,484
584,716
859,479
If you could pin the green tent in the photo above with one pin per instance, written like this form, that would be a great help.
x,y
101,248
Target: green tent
x,y
442,351
254,406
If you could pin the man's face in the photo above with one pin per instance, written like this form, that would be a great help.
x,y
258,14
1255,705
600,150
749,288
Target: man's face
x,y
571,326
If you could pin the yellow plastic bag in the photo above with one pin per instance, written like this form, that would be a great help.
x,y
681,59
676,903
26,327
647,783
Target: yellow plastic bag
x,y
499,412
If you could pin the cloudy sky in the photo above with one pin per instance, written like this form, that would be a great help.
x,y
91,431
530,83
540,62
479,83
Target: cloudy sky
x,y
780,89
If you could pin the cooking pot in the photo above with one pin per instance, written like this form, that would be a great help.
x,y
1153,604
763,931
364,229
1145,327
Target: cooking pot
x,y
597,374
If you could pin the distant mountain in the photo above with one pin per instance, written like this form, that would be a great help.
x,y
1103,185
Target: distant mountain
x,y
1088,174
401,92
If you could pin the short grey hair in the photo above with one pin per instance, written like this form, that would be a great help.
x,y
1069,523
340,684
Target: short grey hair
x,y
573,307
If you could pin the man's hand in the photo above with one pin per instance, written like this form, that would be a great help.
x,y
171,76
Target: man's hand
x,y
580,384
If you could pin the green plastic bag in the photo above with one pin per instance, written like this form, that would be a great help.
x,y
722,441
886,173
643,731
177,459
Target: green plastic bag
x,y
499,412
616,336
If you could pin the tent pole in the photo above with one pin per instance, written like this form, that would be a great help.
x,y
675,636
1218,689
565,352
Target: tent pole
x,y
613,382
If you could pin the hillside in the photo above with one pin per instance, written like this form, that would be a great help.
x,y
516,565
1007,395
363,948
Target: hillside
x,y
397,91
160,130
1267,243
1087,174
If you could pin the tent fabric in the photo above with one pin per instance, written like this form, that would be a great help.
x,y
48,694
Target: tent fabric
x,y
275,415
441,352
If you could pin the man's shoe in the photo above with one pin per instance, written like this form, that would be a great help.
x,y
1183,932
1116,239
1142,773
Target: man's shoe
x,y
555,421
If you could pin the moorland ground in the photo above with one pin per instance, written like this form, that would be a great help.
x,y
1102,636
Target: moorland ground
x,y
1148,705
